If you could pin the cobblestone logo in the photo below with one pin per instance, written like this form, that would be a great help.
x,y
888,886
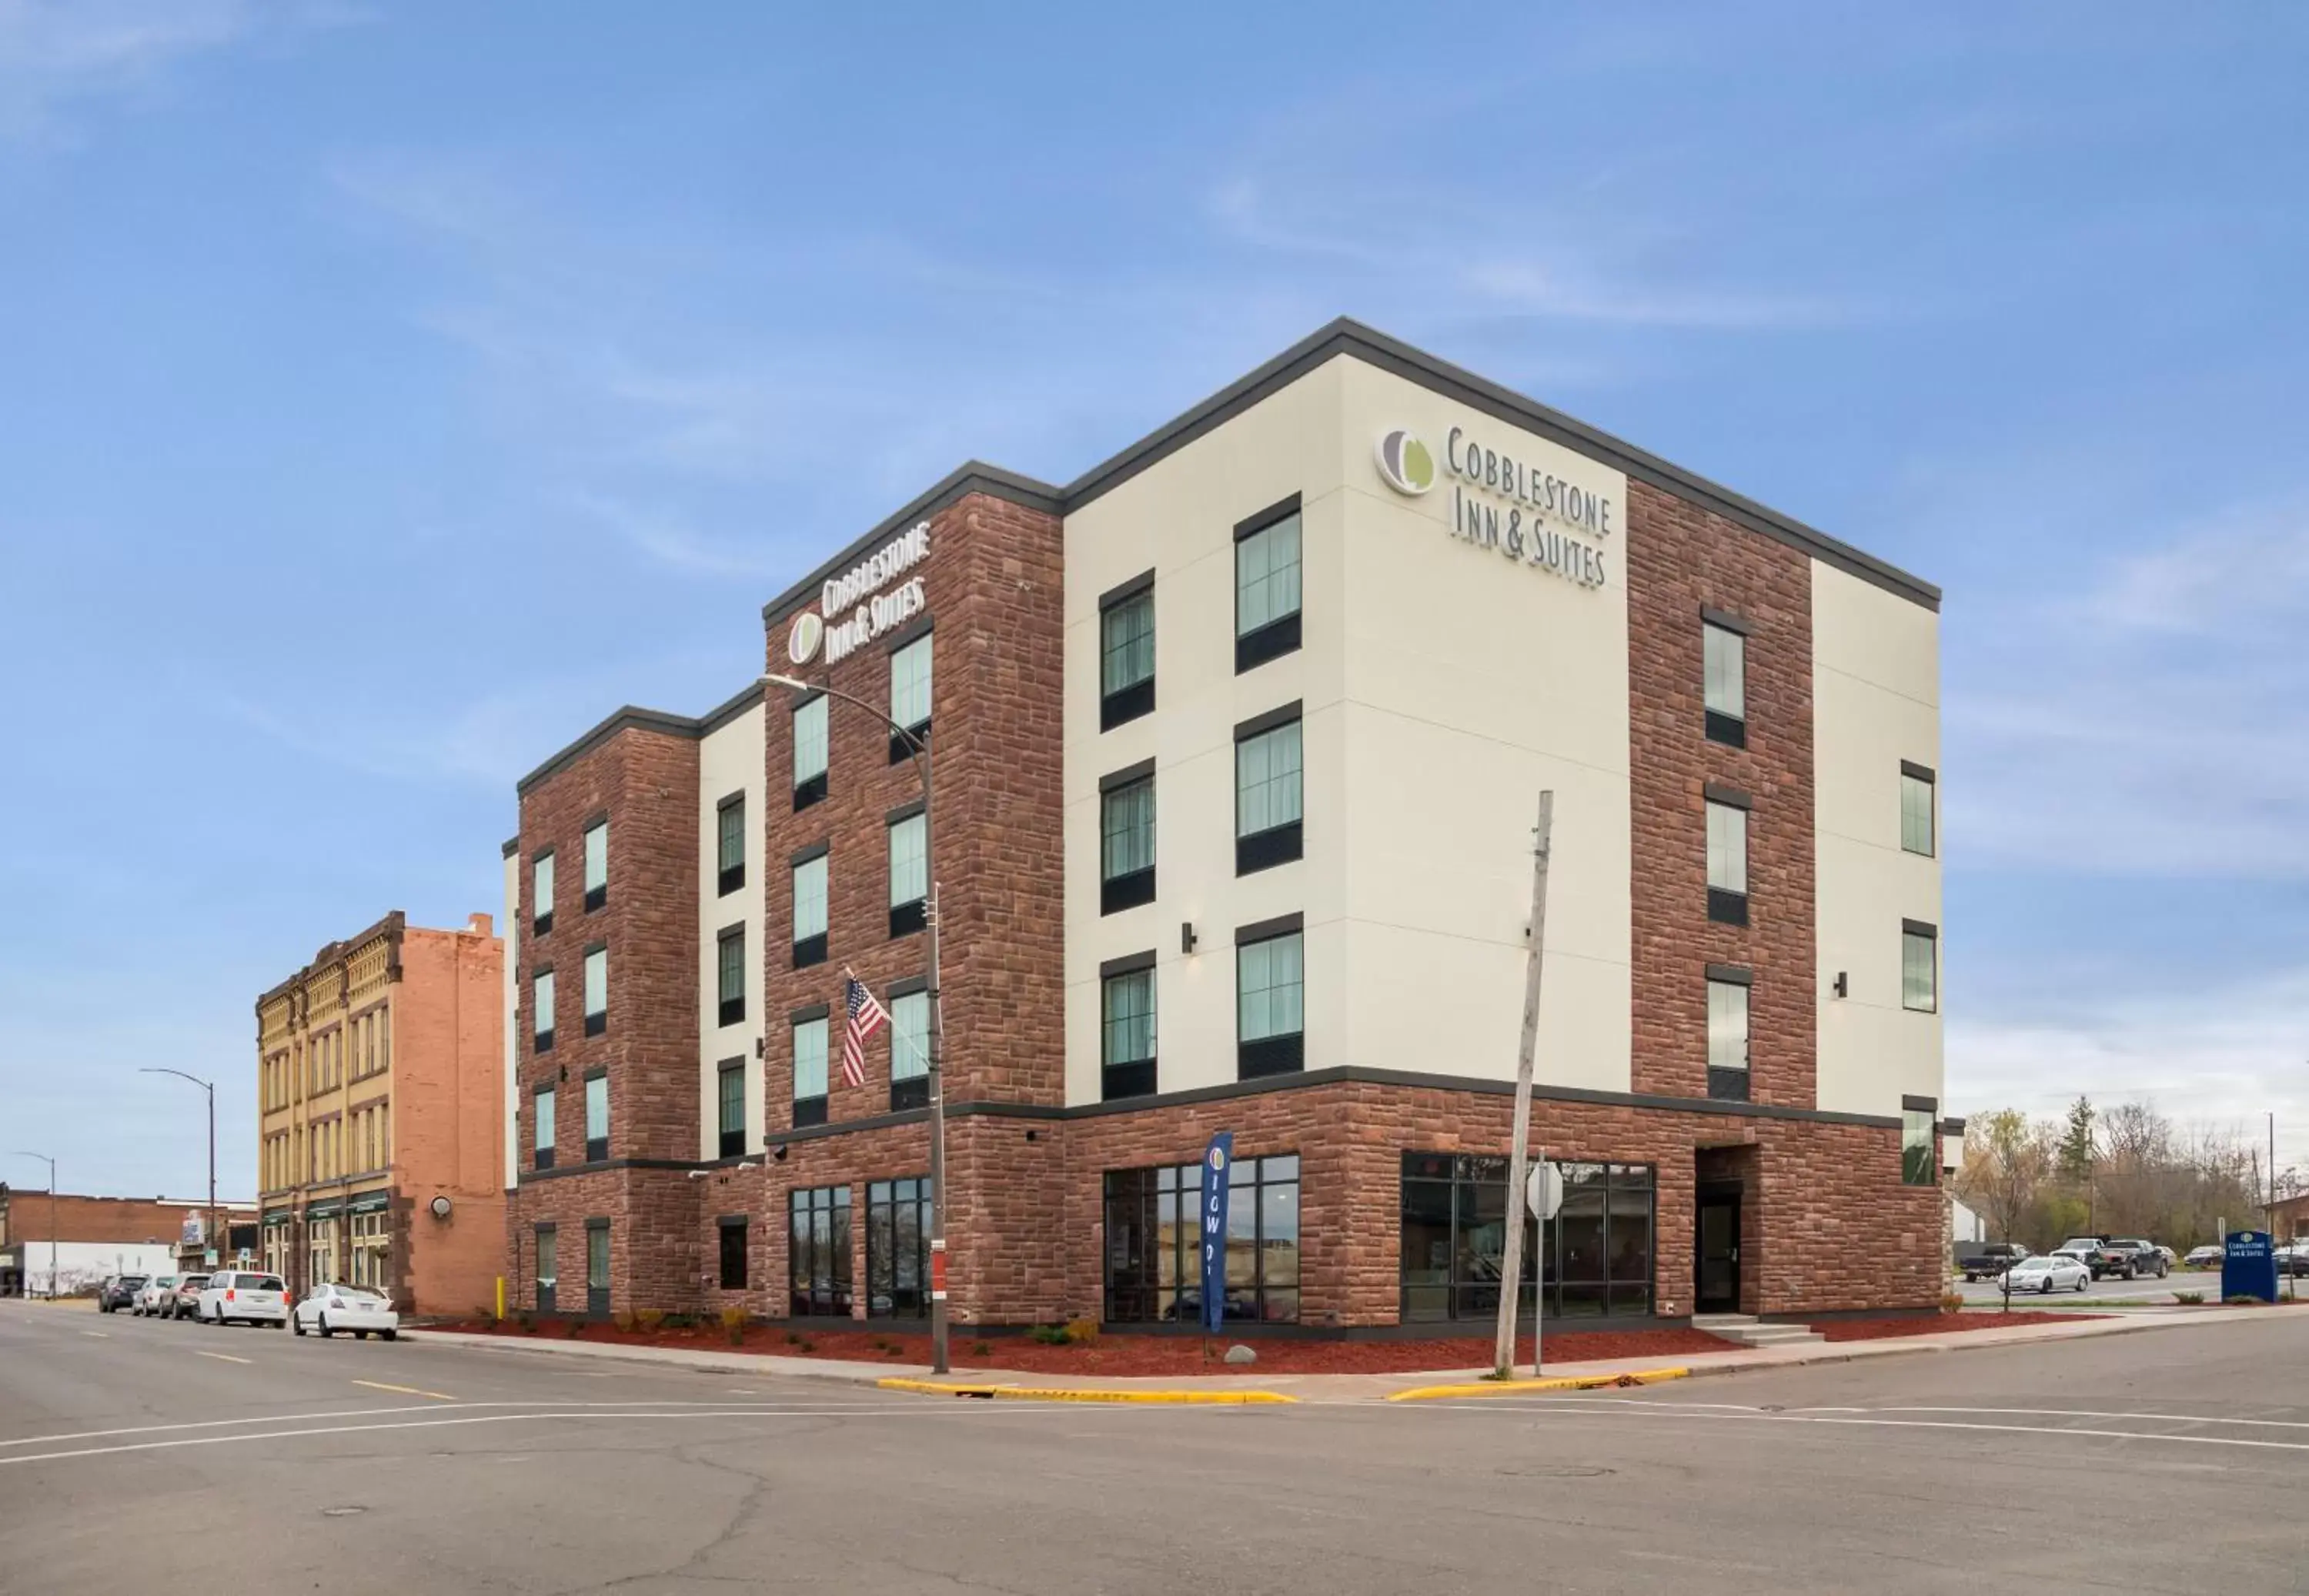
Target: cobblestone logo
x,y
803,637
1406,463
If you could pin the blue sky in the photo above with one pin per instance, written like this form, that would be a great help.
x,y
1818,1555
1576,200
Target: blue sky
x,y
387,393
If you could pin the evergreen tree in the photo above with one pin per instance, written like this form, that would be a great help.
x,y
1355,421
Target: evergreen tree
x,y
2075,1157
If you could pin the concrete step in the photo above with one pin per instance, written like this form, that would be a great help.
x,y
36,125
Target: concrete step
x,y
1747,1331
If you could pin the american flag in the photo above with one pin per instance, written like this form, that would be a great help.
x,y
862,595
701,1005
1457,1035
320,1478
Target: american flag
x,y
866,1018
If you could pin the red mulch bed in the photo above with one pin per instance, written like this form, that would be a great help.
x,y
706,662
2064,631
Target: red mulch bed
x,y
1872,1330
1128,1355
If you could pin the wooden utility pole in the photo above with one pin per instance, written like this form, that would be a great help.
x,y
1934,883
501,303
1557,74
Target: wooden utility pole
x,y
1511,1258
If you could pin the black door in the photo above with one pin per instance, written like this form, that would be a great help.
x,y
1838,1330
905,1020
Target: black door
x,y
1716,1252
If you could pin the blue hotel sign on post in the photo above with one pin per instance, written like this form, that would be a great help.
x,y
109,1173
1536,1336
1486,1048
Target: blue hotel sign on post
x,y
2248,1266
1216,1157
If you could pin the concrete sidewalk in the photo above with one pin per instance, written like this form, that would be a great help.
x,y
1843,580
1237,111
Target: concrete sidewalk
x,y
1338,1388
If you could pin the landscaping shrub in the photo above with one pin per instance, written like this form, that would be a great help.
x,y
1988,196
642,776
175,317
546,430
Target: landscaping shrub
x,y
528,1322
982,1349
1082,1332
1951,1302
1049,1335
624,1320
651,1320
2188,1298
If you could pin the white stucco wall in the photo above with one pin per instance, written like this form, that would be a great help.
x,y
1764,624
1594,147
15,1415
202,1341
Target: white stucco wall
x,y
729,760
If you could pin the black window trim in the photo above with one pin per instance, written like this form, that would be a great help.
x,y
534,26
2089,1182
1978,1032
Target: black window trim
x,y
1127,964
1909,927
1920,1105
808,1012
1731,797
1921,772
1268,721
1282,925
909,635
1732,975
1127,776
1123,592
1250,526
724,1007
1726,619
906,986
804,856
905,811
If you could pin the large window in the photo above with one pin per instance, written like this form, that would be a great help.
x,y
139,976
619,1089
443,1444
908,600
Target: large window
x,y
1916,783
817,1251
1269,1007
1265,589
597,989
541,1127
1920,1163
810,752
730,843
910,1050
910,874
809,912
730,1092
810,1072
734,1253
1153,1261
597,865
1268,800
541,987
1727,1035
1724,670
899,1248
597,1118
1127,1033
1126,666
1125,860
1595,1257
1727,863
910,694
540,892
1920,984
729,974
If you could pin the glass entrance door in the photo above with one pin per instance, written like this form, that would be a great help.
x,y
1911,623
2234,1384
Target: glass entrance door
x,y
1716,1252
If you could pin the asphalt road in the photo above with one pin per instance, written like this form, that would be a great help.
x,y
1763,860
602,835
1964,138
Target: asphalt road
x,y
137,1452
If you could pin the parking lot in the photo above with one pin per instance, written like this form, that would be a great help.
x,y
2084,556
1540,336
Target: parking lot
x,y
2148,1287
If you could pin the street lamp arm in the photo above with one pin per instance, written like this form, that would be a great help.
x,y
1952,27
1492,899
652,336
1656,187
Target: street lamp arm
x,y
155,1069
914,744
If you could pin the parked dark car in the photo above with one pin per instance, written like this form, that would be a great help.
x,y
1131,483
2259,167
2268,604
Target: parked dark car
x,y
2130,1257
1991,1259
119,1291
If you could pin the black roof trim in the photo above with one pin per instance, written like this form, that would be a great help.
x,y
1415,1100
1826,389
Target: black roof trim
x,y
633,717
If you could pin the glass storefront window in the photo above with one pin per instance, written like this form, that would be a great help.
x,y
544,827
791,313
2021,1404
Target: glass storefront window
x,y
1154,1270
817,1251
1594,1259
899,1248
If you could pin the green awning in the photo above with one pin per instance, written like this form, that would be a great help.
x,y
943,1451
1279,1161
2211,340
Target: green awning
x,y
327,1210
278,1216
375,1201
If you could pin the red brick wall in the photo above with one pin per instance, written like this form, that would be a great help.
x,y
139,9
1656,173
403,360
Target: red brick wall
x,y
448,1119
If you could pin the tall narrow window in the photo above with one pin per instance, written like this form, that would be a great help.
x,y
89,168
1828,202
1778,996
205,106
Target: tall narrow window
x,y
1727,864
1724,670
733,1228
817,1251
540,892
597,865
1920,947
810,752
1126,664
910,1050
1269,1007
541,1127
1267,590
1268,793
810,1072
730,843
597,1267
809,912
1727,1039
910,694
729,974
1126,1054
597,990
1127,844
549,1268
597,1118
1919,1159
541,987
1917,808
730,1101
897,1248
910,874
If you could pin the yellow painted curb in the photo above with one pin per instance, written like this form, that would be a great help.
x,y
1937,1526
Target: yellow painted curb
x,y
1650,1377
1065,1394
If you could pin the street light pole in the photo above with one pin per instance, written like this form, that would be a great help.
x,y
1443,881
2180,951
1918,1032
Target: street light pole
x,y
208,1237
51,1163
920,753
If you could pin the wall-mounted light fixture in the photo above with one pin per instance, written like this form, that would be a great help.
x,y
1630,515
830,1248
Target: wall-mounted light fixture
x,y
1186,937
440,1207
779,1154
1843,985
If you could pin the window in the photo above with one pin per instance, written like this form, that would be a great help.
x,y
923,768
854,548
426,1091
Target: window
x,y
733,1253
810,1072
1126,1054
1727,1039
910,695
1153,1261
1126,845
1594,1259
910,874
817,1251
1268,1004
597,865
1920,1163
1915,808
809,912
910,1050
1126,662
1267,796
1724,668
597,990
730,1092
729,844
1267,589
540,892
810,752
1727,864
1919,967
549,1267
729,974
541,987
899,1248
597,1118
597,1266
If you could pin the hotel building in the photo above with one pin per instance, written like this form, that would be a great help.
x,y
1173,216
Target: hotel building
x,y
1237,741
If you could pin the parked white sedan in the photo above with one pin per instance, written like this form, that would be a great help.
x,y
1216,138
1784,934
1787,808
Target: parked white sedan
x,y
158,1296
331,1309
2054,1271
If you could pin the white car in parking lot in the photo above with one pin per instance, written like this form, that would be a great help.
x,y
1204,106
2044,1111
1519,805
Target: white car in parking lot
x,y
247,1295
157,1295
2054,1271
331,1309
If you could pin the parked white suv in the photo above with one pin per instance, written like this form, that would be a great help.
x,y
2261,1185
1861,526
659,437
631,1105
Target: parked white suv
x,y
248,1295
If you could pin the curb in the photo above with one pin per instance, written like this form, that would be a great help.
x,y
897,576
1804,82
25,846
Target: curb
x,y
1070,1393
1427,1393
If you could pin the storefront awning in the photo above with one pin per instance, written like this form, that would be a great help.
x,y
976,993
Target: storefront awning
x,y
328,1210
375,1201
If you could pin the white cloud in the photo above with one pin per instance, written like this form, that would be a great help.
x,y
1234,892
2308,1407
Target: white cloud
x,y
667,537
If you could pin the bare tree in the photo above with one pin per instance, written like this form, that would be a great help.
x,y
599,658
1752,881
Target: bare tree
x,y
2007,1158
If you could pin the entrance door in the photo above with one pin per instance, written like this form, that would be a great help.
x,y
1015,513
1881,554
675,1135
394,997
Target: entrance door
x,y
1716,1252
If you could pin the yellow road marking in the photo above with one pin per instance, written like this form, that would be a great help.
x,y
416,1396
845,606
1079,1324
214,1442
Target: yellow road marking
x,y
438,1396
219,1357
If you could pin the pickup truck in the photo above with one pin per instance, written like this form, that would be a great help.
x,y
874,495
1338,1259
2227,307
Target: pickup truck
x,y
2127,1256
1991,1259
